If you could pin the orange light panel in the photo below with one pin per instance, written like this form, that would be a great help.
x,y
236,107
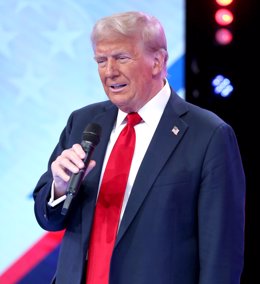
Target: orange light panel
x,y
224,2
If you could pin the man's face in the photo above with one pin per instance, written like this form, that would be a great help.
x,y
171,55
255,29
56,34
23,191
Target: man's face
x,y
126,72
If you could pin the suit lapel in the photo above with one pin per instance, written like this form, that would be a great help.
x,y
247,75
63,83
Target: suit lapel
x,y
167,136
106,120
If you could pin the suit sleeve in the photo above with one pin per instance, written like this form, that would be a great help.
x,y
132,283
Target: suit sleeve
x,y
50,218
221,210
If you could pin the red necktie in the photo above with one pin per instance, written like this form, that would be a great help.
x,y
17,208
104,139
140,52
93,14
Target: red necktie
x,y
109,203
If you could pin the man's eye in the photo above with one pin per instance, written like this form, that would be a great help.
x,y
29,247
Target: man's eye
x,y
123,58
100,61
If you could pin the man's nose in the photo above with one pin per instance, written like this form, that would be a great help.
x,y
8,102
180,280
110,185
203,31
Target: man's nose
x,y
111,68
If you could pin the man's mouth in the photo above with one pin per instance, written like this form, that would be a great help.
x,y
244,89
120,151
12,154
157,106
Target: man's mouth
x,y
117,86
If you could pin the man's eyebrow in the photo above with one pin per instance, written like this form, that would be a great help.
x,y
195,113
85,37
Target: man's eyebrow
x,y
118,53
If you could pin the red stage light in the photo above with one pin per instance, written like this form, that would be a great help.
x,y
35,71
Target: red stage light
x,y
223,36
224,17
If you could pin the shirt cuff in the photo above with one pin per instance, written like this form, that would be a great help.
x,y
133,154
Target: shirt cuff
x,y
57,201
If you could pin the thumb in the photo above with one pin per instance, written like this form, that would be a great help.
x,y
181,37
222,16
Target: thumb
x,y
91,165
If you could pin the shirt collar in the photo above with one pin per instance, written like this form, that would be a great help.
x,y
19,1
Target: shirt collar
x,y
152,111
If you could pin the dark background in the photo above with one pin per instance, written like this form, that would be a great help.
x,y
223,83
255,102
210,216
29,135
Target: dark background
x,y
239,62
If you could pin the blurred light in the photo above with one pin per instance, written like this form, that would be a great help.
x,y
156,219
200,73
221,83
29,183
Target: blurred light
x,y
224,2
222,86
223,36
224,17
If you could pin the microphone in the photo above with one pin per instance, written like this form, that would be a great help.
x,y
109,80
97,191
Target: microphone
x,y
90,139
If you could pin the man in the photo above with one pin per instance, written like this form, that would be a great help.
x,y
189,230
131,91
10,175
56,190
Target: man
x,y
182,218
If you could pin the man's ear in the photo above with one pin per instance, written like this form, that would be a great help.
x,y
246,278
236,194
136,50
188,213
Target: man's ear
x,y
158,62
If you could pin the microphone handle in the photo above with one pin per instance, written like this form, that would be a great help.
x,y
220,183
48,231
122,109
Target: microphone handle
x,y
76,179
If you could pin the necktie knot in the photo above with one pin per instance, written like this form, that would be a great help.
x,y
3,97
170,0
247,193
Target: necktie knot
x,y
133,118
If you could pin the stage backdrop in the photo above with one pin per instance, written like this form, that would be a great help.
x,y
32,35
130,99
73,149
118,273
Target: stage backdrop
x,y
46,71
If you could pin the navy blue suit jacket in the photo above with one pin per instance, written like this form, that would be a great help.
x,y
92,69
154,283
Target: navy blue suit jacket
x,y
184,221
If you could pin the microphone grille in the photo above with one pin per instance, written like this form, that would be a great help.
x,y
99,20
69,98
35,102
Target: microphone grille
x,y
92,133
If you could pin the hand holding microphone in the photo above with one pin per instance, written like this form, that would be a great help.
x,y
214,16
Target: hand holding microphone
x,y
70,168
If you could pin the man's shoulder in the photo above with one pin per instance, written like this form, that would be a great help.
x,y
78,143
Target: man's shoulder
x,y
198,115
94,107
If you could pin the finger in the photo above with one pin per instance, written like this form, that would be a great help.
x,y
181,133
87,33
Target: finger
x,y
71,159
59,171
79,151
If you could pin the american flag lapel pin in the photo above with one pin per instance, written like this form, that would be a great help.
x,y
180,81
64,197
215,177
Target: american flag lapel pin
x,y
175,130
